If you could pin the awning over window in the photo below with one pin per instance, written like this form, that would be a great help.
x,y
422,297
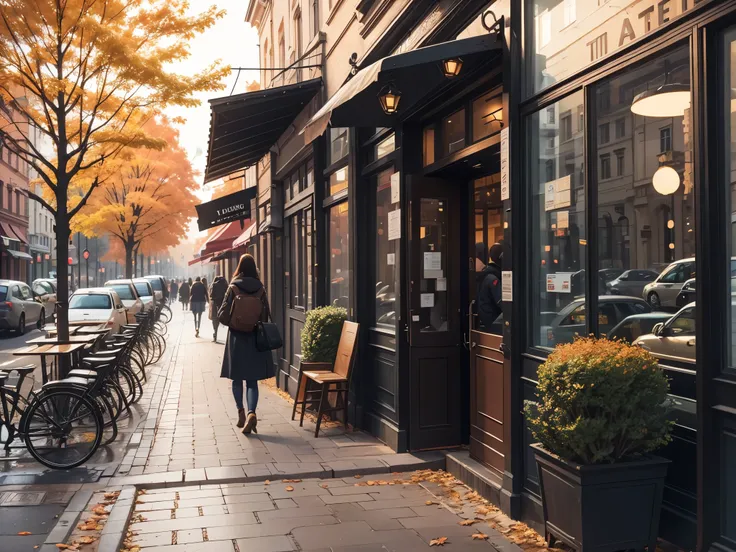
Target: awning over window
x,y
241,240
416,74
222,239
20,232
245,126
19,254
7,234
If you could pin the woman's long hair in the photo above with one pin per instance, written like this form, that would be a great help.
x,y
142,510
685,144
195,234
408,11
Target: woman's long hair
x,y
246,267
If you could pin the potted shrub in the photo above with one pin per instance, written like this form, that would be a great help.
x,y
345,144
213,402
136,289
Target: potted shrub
x,y
320,338
602,410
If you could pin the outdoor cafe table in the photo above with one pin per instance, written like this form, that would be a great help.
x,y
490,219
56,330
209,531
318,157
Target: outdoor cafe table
x,y
57,351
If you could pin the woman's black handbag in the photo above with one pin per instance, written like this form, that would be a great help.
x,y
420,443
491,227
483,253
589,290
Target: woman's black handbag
x,y
268,337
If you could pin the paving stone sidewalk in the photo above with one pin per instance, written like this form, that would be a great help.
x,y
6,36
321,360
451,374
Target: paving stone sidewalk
x,y
337,515
193,438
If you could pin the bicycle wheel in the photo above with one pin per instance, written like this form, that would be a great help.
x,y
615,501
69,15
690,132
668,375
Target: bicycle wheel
x,y
62,428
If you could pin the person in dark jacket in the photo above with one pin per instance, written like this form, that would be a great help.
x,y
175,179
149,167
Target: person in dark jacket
x,y
489,290
184,295
174,289
217,296
198,298
242,361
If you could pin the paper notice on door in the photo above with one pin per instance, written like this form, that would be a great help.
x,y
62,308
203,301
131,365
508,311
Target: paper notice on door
x,y
390,259
549,196
441,284
395,187
427,300
560,282
433,274
394,225
507,290
432,260
557,194
505,190
563,220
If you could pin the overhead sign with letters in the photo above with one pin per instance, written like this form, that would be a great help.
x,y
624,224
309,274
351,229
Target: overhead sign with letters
x,y
225,209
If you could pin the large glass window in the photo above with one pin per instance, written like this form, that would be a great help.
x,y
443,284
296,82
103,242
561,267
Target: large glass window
x,y
299,277
453,132
385,275
557,256
730,155
487,115
339,146
646,203
337,181
564,36
339,268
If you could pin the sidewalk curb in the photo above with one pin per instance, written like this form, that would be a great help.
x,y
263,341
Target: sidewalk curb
x,y
67,521
117,522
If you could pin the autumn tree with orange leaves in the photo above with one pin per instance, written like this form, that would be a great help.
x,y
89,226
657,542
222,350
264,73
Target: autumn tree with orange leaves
x,y
146,198
87,74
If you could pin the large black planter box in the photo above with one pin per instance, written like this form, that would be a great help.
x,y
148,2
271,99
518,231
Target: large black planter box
x,y
601,508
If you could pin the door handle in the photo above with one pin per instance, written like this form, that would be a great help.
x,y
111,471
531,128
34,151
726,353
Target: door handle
x,y
691,343
467,343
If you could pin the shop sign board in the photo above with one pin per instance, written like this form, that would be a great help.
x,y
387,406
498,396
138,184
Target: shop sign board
x,y
505,190
560,282
225,209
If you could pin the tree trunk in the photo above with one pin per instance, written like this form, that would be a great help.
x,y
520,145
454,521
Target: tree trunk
x,y
129,258
62,271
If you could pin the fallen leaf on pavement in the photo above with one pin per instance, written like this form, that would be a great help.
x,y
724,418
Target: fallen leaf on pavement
x,y
291,480
480,536
112,495
467,522
100,510
438,541
61,546
289,488
266,482
358,476
24,533
90,540
430,502
324,485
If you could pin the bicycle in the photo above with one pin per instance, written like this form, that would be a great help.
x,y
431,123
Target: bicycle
x,y
61,425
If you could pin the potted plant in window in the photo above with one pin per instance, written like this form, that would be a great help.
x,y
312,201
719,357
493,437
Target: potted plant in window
x,y
320,338
602,410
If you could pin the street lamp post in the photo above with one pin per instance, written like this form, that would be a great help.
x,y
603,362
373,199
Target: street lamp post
x,y
85,254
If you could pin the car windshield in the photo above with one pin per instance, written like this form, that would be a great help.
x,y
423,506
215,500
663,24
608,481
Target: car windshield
x,y
156,284
124,291
142,289
85,301
3,293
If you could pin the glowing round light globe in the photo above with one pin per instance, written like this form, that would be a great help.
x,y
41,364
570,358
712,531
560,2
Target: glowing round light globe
x,y
666,180
669,100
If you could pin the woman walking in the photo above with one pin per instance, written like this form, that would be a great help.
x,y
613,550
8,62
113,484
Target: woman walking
x,y
242,360
198,298
217,296
184,294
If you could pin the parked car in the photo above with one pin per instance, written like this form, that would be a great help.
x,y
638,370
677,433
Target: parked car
x,y
19,306
129,296
663,291
160,287
674,338
146,293
45,289
687,292
608,274
631,282
97,306
570,321
635,325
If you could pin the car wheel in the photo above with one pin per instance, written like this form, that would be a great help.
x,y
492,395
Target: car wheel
x,y
653,300
41,320
21,329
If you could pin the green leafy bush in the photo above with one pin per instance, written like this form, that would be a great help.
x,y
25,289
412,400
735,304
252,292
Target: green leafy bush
x,y
600,402
321,333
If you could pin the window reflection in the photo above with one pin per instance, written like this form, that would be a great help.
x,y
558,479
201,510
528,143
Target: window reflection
x,y
339,269
385,250
646,238
558,223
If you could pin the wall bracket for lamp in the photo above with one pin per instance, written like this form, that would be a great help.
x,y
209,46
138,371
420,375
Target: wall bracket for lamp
x,y
496,27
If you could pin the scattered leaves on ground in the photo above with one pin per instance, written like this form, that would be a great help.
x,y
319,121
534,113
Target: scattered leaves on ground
x,y
467,522
479,536
358,476
266,482
324,485
440,541
430,502
291,480
289,488
24,533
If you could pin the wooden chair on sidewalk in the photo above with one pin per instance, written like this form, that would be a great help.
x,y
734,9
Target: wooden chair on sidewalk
x,y
318,384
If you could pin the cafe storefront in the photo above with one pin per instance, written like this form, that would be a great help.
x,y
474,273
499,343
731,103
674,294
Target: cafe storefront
x,y
593,144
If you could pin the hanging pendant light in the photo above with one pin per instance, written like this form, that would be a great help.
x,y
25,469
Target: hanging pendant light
x,y
668,100
666,180
389,97
451,67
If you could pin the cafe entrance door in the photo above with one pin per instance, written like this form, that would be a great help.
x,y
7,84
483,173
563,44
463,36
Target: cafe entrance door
x,y
485,342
